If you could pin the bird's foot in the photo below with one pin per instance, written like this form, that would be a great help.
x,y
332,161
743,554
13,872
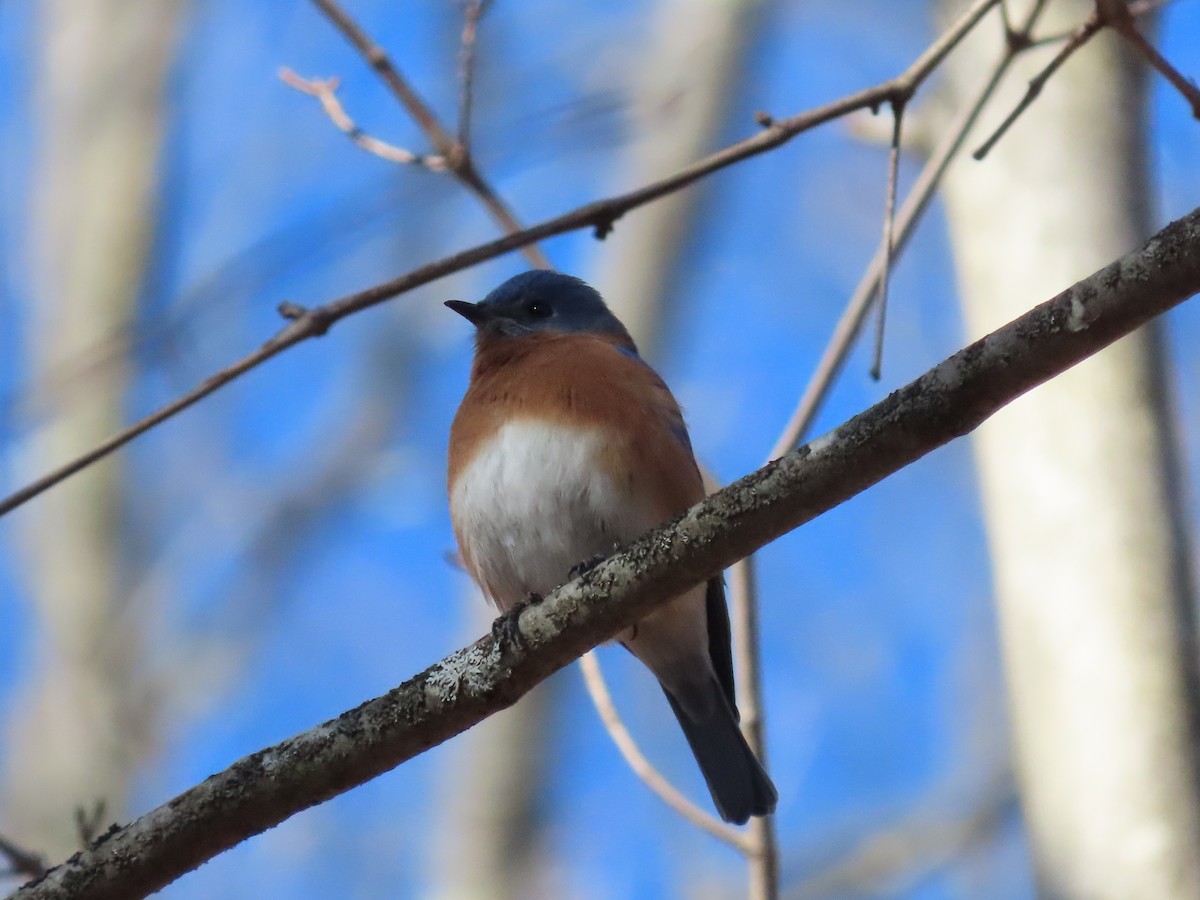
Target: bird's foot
x,y
506,629
586,566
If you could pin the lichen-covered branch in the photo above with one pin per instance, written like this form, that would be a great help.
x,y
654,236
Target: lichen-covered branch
x,y
948,401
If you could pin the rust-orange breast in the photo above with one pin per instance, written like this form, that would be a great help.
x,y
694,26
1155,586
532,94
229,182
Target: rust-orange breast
x,y
582,381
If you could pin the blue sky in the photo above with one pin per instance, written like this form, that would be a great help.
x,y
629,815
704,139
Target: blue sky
x,y
883,687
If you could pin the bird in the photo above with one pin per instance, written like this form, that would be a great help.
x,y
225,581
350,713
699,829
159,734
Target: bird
x,y
566,445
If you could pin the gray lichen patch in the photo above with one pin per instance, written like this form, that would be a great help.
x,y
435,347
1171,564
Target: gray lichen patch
x,y
474,669
1077,318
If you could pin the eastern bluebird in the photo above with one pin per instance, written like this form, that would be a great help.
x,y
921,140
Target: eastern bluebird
x,y
567,444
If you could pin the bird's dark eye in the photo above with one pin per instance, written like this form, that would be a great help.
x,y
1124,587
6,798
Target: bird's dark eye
x,y
540,310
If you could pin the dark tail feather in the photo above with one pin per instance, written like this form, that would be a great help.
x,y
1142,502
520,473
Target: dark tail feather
x,y
739,786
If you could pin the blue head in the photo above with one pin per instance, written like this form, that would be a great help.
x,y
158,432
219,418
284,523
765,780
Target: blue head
x,y
540,301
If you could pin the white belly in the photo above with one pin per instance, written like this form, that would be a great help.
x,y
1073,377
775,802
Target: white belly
x,y
532,504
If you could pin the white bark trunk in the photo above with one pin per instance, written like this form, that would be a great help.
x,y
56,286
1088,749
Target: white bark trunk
x,y
1081,499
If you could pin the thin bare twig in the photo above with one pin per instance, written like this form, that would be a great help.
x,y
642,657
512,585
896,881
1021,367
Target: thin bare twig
x,y
911,211
1084,33
600,215
458,160
597,689
471,15
889,226
762,852
1185,86
21,862
325,90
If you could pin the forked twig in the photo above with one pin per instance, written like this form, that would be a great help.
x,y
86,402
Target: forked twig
x,y
1113,13
325,90
927,62
458,159
1084,33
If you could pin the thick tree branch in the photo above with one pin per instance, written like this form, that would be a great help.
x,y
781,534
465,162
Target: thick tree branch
x,y
1186,88
948,401
600,215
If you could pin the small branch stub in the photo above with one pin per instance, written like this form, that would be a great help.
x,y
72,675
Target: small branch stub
x,y
316,321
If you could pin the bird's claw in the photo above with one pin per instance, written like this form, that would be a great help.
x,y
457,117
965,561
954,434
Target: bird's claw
x,y
506,629
586,566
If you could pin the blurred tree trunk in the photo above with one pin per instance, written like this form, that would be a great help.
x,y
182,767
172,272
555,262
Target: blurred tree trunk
x,y
1081,488
82,722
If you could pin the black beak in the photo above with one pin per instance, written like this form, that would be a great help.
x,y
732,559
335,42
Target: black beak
x,y
472,312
